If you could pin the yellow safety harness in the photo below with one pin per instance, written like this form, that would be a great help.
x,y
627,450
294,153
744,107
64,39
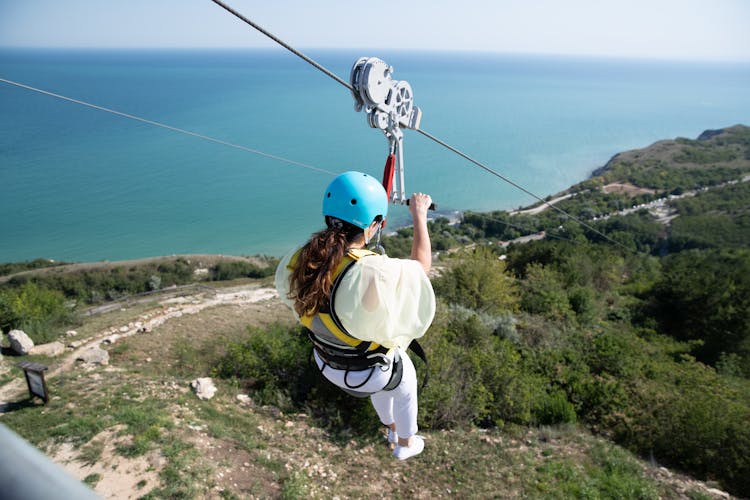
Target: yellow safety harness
x,y
339,349
328,318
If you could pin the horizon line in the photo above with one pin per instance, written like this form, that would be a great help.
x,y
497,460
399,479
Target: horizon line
x,y
582,55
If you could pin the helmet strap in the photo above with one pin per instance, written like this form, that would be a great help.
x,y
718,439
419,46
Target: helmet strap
x,y
378,247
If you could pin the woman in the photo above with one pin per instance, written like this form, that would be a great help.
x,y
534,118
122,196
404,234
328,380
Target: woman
x,y
363,309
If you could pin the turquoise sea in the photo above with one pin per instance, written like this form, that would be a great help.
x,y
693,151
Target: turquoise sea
x,y
83,185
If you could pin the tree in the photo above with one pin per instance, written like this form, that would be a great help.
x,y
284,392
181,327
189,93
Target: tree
x,y
705,296
543,292
477,279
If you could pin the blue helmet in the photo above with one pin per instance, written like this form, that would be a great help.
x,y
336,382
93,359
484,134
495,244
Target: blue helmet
x,y
356,198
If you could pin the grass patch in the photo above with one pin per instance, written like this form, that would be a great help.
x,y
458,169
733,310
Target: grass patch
x,y
295,487
146,421
6,377
92,479
233,423
180,477
615,471
596,470
551,462
91,452
86,406
43,424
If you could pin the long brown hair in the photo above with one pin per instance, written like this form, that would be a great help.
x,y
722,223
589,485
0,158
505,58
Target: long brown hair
x,y
312,279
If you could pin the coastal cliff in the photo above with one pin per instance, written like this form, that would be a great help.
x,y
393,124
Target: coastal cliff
x,y
726,149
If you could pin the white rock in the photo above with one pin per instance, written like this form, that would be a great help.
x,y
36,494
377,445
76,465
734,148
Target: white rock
x,y
20,343
51,349
111,339
244,399
717,493
124,329
204,387
71,333
94,355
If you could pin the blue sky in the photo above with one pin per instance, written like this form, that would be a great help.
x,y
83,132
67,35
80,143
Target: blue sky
x,y
663,29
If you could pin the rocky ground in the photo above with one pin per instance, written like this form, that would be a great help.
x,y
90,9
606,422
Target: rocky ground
x,y
233,448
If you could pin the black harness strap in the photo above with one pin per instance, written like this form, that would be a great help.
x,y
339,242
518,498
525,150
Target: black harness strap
x,y
346,359
358,358
357,363
416,348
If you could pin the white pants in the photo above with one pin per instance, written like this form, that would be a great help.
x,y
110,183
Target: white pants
x,y
398,405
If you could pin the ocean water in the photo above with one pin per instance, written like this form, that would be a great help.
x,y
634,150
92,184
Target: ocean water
x,y
79,184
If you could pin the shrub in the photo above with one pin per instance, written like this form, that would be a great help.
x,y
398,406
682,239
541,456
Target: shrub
x,y
688,417
154,282
224,271
276,365
271,362
476,373
96,285
178,271
543,292
582,302
705,296
36,310
399,243
477,279
554,408
17,267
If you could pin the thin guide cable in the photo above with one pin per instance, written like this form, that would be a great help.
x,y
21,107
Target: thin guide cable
x,y
518,186
165,126
522,228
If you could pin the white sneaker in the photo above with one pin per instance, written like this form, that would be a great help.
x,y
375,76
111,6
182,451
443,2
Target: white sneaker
x,y
404,452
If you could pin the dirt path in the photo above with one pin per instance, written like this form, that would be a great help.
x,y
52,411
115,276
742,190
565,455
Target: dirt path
x,y
169,308
544,206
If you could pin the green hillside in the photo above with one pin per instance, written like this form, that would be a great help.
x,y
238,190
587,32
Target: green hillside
x,y
621,329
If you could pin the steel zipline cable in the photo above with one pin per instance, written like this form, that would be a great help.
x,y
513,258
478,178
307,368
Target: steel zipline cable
x,y
165,126
283,43
424,133
515,184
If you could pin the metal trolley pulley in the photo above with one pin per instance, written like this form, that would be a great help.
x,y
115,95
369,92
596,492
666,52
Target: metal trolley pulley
x,y
389,105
